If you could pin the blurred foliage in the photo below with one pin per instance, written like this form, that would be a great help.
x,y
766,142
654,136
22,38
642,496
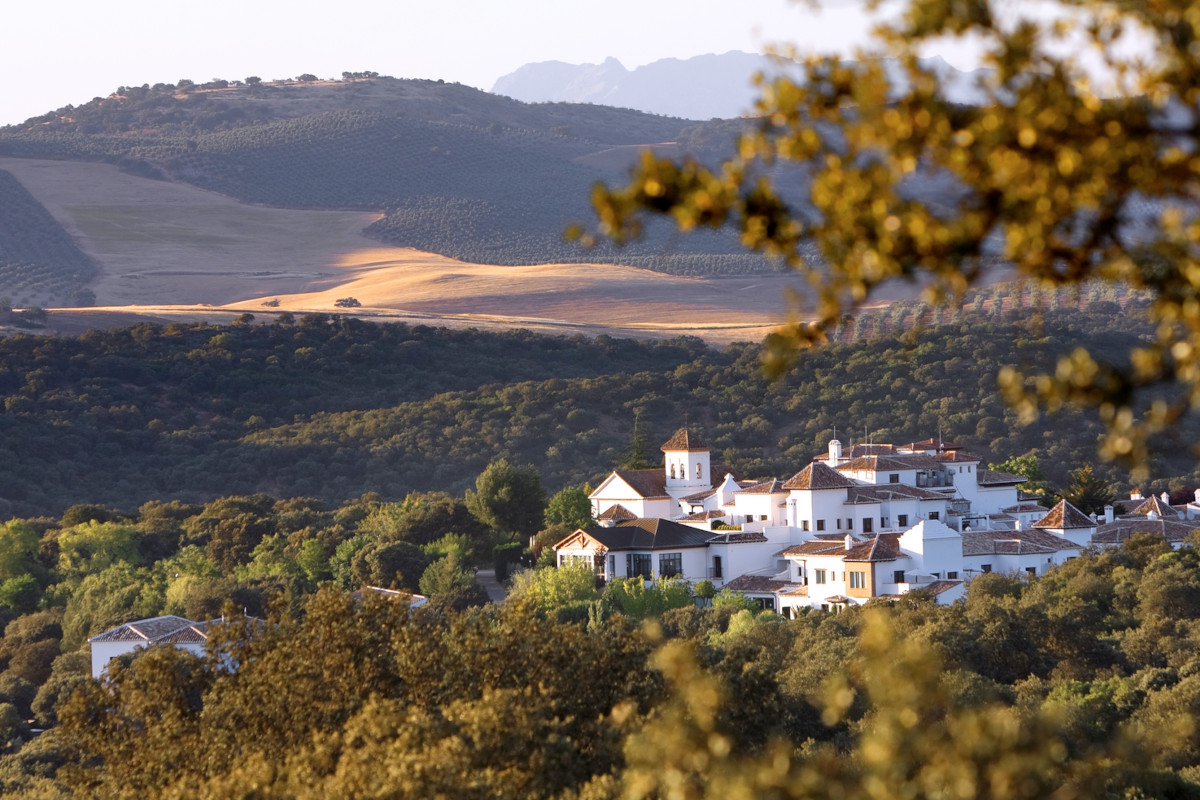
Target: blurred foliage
x,y
1042,174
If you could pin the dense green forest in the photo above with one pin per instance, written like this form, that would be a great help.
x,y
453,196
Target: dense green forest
x,y
1080,683
455,170
331,407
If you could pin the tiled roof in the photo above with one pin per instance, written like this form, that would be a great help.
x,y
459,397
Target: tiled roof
x,y
685,439
884,547
958,457
646,482
988,477
1014,543
1065,516
818,476
155,629
1024,507
772,486
649,534
890,491
738,538
795,590
697,497
933,444
1153,504
702,516
817,548
616,512
1120,531
892,461
857,450
937,587
756,584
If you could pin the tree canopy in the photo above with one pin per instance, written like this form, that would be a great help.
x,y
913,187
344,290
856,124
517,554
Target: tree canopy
x,y
1043,174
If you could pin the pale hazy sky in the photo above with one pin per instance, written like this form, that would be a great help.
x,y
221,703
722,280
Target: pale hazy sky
x,y
54,54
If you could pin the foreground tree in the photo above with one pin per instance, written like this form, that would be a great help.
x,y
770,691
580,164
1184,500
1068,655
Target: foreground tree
x,y
1043,174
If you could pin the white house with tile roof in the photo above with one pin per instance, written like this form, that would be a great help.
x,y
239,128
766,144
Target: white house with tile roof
x,y
874,520
166,630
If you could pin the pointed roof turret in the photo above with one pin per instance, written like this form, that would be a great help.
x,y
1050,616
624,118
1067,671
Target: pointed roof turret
x,y
685,440
818,475
1155,505
1065,516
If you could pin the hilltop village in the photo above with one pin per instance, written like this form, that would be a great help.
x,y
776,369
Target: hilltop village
x,y
873,520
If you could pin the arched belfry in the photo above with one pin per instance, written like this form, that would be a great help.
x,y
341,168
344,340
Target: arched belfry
x,y
686,464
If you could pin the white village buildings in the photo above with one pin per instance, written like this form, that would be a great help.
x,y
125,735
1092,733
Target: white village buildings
x,y
877,521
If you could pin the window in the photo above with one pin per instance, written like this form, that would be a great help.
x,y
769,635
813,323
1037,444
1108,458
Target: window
x,y
883,522
820,524
1031,570
839,523
612,567
672,472
985,567
697,469
898,576
850,524
804,525
858,580
765,603
902,520
670,565
952,576
934,514
868,525
716,569
762,517
893,478
937,575
818,576
638,564
749,518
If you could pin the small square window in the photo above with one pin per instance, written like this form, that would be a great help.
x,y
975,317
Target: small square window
x,y
818,576
898,576
902,520
952,576
804,525
985,568
894,478
820,524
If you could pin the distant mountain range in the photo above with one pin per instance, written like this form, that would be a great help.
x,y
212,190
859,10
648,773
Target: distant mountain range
x,y
702,87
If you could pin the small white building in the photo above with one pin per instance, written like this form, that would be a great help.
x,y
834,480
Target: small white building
x,y
167,630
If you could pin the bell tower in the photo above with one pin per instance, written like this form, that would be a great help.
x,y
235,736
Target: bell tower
x,y
686,464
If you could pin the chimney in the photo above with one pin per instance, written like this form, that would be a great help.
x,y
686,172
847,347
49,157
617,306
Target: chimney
x,y
849,541
1108,514
835,452
1166,498
1136,494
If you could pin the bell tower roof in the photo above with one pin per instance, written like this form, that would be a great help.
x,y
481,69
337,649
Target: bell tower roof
x,y
685,440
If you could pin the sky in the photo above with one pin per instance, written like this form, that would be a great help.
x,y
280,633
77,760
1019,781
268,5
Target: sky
x,y
55,54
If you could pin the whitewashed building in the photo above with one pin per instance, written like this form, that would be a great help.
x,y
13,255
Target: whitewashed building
x,y
875,520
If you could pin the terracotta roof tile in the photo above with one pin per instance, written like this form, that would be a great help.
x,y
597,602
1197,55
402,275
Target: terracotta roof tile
x,y
1119,531
890,491
616,512
685,439
989,477
646,482
1153,504
1065,516
756,584
894,461
817,475
772,486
